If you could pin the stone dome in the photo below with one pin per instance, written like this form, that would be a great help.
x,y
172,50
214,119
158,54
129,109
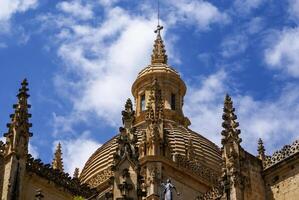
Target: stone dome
x,y
158,93
97,169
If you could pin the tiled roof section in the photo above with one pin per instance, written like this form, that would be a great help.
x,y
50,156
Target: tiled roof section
x,y
62,179
284,153
205,152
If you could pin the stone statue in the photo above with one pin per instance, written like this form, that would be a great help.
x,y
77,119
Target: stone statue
x,y
167,190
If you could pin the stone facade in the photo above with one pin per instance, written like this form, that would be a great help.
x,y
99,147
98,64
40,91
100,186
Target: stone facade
x,y
153,148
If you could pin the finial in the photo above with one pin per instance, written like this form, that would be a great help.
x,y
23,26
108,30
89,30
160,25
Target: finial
x,y
76,173
261,149
159,53
230,125
57,161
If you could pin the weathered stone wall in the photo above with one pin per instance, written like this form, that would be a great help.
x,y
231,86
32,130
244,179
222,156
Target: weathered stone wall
x,y
49,189
254,183
282,180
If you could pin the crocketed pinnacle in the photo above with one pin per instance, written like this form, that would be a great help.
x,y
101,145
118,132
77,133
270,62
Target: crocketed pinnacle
x,y
230,125
76,173
57,161
159,53
20,118
261,149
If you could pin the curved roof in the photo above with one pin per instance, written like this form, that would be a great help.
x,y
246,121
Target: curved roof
x,y
178,136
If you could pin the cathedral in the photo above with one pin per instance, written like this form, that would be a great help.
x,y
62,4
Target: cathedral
x,y
154,156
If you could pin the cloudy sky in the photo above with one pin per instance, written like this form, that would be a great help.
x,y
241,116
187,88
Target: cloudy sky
x,y
82,56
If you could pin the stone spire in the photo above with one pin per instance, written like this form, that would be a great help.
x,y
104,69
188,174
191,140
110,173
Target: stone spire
x,y
57,161
76,173
159,53
232,152
231,131
16,147
261,150
19,126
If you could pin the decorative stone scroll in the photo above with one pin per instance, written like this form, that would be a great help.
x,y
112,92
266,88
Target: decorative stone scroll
x,y
285,152
100,178
197,168
60,178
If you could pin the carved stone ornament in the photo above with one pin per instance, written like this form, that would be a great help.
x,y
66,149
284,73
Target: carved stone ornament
x,y
100,178
278,156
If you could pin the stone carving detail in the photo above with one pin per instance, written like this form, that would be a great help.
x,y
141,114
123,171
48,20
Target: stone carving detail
x,y
127,139
195,167
100,178
58,177
213,194
285,152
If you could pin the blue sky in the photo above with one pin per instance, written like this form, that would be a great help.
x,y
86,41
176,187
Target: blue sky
x,y
81,58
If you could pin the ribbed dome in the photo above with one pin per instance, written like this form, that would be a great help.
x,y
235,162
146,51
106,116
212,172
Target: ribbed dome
x,y
97,168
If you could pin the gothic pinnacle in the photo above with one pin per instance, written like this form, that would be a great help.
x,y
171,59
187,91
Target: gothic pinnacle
x,y
159,53
57,161
261,149
76,173
20,118
231,131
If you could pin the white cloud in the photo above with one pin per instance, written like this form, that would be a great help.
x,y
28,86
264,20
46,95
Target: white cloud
x,y
282,53
77,151
10,7
203,105
234,45
200,13
244,7
275,121
106,60
76,9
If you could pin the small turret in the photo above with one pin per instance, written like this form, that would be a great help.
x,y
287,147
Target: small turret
x,y
57,161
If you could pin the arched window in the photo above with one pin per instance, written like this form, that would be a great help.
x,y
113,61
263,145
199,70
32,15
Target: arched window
x,y
142,102
173,101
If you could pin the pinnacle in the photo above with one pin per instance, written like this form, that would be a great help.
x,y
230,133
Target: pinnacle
x,y
76,173
159,53
57,161
21,115
261,148
229,124
23,90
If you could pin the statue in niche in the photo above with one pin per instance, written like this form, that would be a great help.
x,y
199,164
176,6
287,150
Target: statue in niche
x,y
167,190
